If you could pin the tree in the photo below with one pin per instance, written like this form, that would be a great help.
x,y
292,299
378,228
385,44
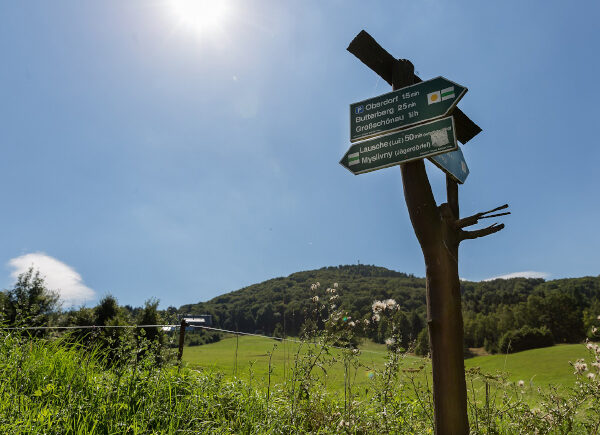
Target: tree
x,y
29,302
150,316
106,309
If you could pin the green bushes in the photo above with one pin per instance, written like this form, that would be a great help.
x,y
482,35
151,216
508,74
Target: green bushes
x,y
525,338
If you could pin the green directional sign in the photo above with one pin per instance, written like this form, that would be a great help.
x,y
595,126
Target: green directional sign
x,y
453,164
404,107
425,140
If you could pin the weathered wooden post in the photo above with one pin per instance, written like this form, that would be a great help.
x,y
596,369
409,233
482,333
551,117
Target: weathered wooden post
x,y
181,340
439,229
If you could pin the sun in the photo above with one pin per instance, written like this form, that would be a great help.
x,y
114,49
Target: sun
x,y
201,16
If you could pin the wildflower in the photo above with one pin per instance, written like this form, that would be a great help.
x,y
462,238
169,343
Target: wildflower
x,y
596,365
594,329
333,307
330,290
390,303
315,299
590,345
351,324
378,306
591,375
389,341
355,351
344,423
580,366
521,383
376,318
333,297
313,287
335,285
598,317
366,321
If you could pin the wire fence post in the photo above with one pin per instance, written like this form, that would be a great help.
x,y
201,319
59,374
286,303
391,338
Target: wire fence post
x,y
181,340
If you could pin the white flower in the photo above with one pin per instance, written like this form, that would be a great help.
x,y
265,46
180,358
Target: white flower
x,y
594,329
591,376
333,297
596,365
376,318
390,303
389,341
315,299
580,366
378,306
521,383
598,317
366,321
335,285
351,324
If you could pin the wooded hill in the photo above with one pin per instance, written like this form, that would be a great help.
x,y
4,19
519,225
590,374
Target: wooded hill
x,y
502,315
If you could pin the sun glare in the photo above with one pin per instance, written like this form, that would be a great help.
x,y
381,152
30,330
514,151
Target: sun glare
x,y
201,16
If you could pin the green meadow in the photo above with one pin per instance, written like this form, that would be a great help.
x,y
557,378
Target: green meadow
x,y
250,361
536,367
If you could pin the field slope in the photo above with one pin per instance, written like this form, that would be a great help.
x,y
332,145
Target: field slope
x,y
537,367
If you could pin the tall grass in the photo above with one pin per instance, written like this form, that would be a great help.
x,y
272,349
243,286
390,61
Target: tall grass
x,y
53,386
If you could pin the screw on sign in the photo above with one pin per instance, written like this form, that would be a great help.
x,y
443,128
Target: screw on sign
x,y
439,230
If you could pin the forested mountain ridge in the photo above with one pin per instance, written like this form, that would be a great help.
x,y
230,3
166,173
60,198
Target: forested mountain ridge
x,y
262,306
561,310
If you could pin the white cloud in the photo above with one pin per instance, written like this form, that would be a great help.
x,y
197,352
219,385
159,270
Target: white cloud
x,y
58,276
525,274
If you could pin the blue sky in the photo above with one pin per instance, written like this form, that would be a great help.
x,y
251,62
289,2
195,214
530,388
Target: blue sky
x,y
146,153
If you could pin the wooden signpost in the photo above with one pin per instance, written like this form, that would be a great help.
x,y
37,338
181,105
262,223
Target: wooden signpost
x,y
439,230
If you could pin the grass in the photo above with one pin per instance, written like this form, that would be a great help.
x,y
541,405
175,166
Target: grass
x,y
56,387
252,361
537,367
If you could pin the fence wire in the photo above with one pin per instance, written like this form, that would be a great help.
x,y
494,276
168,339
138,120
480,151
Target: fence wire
x,y
209,328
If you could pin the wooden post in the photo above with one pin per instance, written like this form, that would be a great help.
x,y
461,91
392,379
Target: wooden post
x,y
444,317
439,231
181,340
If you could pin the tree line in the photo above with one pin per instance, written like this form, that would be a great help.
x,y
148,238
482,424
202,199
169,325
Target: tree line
x,y
500,315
